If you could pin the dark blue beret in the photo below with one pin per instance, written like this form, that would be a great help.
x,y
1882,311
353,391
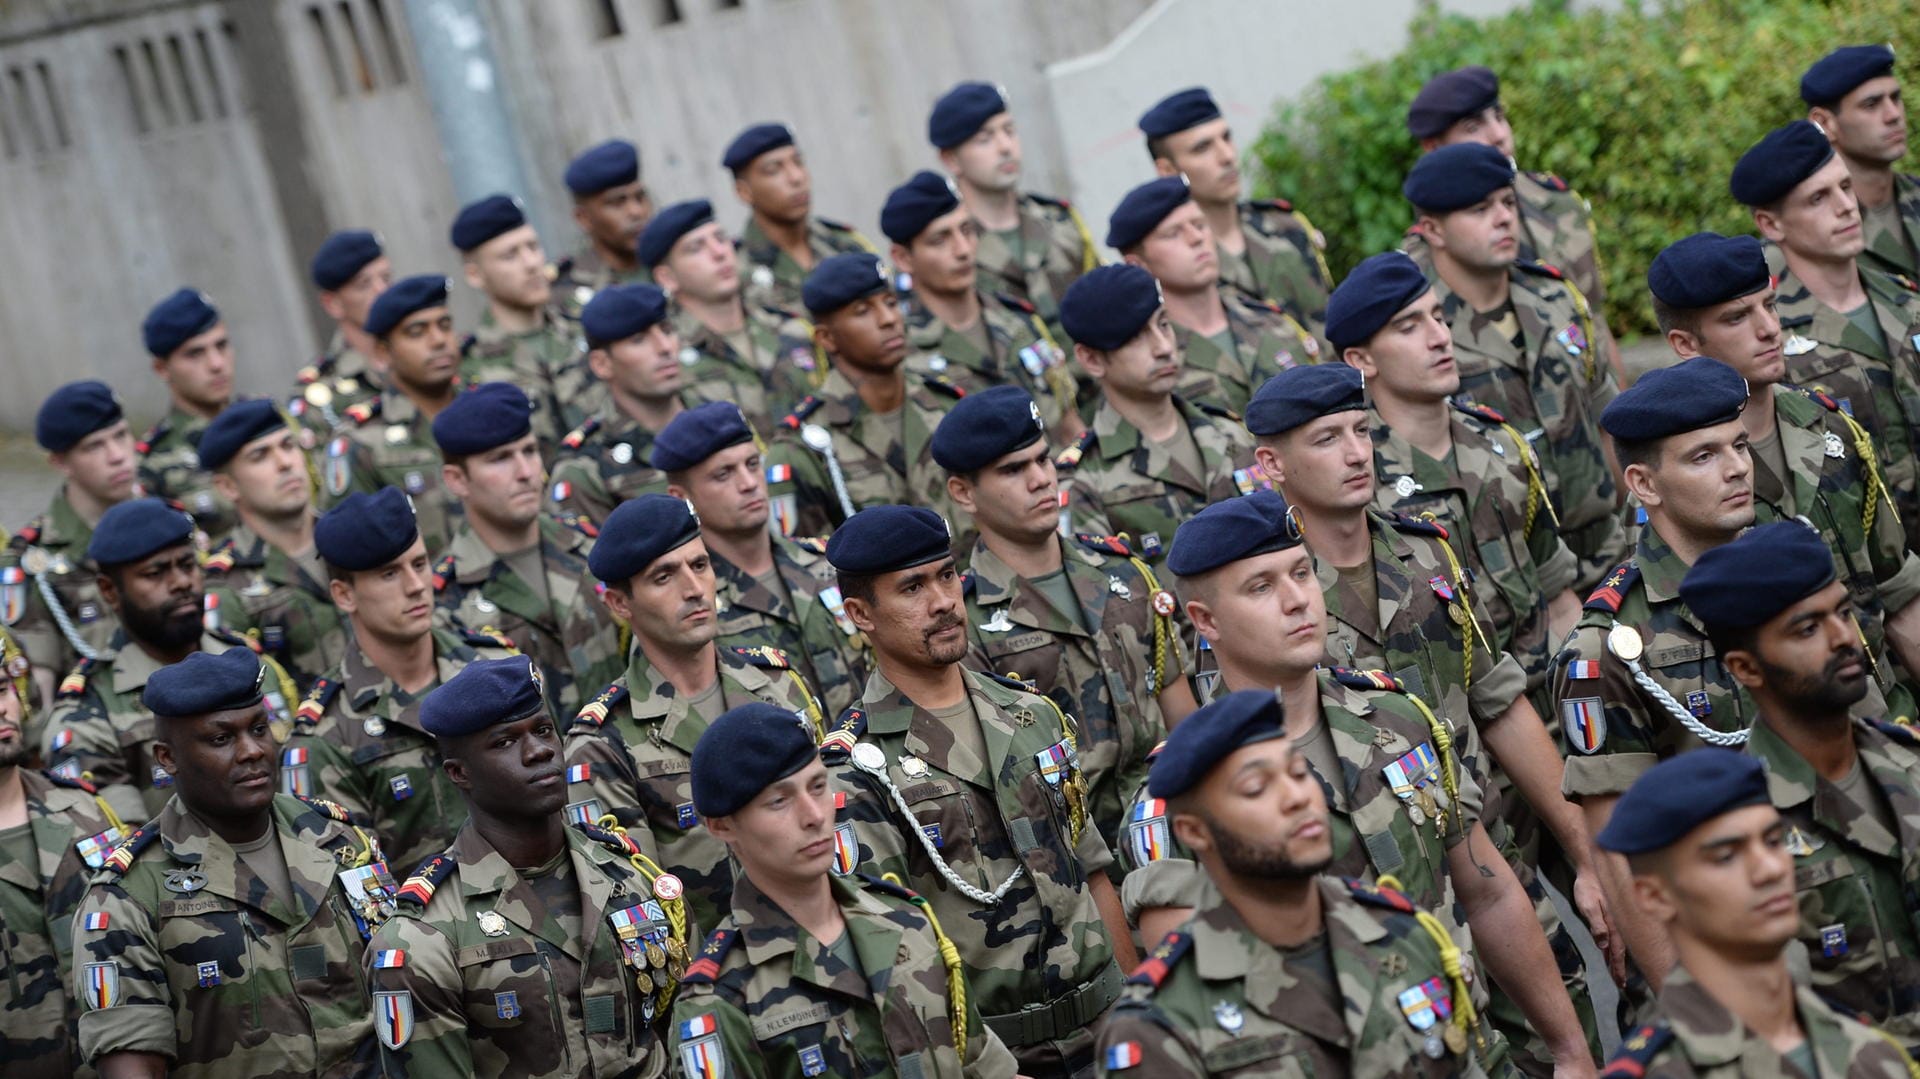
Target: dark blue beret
x,y
488,415
237,425
1706,269
1178,112
613,163
914,205
753,142
666,227
698,433
366,531
1450,97
745,751
1377,289
1142,209
622,311
1106,306
175,319
1687,396
484,693
1778,163
882,539
1745,583
73,412
986,426
403,298
136,529
1212,734
1300,395
342,255
1680,794
478,222
204,683
1838,73
637,533
962,111
1230,530
1457,176
841,279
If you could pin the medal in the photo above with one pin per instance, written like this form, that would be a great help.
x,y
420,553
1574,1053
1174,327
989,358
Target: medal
x,y
396,434
1228,1016
35,561
1456,1039
1119,588
492,924
374,726
668,887
185,881
484,605
1405,487
1624,641
656,955
643,981
1835,447
913,767
1432,1045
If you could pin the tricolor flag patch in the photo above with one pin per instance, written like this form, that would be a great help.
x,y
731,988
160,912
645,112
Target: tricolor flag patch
x,y
95,922
62,739
1585,723
779,473
1583,668
579,773
700,1053
389,958
1122,1056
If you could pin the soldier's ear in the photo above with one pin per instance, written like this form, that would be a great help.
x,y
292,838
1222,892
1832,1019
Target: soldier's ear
x,y
619,603
823,336
1164,166
1766,220
1744,666
1358,359
455,477
224,484
902,258
109,594
1192,832
456,770
668,281
1638,479
1269,461
1203,621
163,749
859,612
1683,344
1091,360
961,492
1824,119
342,594
1651,894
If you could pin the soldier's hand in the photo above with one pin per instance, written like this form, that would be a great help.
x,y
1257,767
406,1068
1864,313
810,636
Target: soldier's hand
x,y
1592,904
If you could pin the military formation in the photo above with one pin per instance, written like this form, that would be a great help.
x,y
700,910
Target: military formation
x,y
1000,654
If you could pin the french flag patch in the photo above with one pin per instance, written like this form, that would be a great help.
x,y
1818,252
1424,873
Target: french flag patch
x,y
779,473
1583,668
389,958
63,739
1123,1056
96,921
579,773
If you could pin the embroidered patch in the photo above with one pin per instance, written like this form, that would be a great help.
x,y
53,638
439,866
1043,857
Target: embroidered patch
x,y
95,922
1148,838
1585,723
393,1017
1123,1056
579,773
102,985
685,815
700,1052
846,849
506,1005
389,958
1583,669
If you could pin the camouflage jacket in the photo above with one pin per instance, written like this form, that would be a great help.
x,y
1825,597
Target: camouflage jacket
x,y
774,1003
1266,340
781,370
1285,261
478,976
1890,250
805,621
345,378
542,362
772,276
170,468
258,591
1020,351
49,555
1119,484
602,463
1048,252
386,442
358,741
1556,228
182,950
576,277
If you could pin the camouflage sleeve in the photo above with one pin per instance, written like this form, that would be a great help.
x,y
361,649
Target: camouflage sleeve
x,y
987,1056
1498,680
330,773
81,742
705,1024
1903,586
576,488
1135,1042
419,1000
1603,716
1552,558
120,977
33,627
363,476
600,771
1169,882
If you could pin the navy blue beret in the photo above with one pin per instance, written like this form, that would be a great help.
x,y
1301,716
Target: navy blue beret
x,y
962,111
698,433
914,205
882,539
622,311
986,426
483,694
839,280
637,533
488,415
235,426
1457,176
342,255
1178,112
73,412
1377,289
1230,530
1300,395
1706,269
1212,734
613,163
1450,97
1108,305
1838,73
136,529
403,298
480,221
1778,163
366,531
1745,583
175,319
1680,794
1142,209
1687,396
665,228
753,142
204,683
745,751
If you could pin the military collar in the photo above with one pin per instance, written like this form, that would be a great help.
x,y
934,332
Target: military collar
x,y
132,665
474,563
55,821
1711,1037
616,426
1116,436
995,583
212,865
249,549
768,934
1803,313
1660,569
653,700
1225,950
61,526
365,687
485,871
487,331
1792,782
1394,458
397,409
891,712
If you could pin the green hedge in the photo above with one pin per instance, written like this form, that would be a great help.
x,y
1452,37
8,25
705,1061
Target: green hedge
x,y
1643,109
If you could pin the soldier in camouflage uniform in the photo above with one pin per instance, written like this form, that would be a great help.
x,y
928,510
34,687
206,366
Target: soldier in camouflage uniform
x,y
844,976
223,938
528,948
349,271
612,207
193,356
1854,96
784,239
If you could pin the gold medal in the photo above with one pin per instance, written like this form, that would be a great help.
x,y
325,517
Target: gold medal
x,y
35,561
676,949
1457,613
656,955
643,981
318,395
1624,641
1427,803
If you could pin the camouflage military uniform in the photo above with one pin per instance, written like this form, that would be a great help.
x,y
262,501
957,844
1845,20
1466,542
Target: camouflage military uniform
x,y
389,442
540,361
198,959
323,390
602,463
257,590
578,276
1895,250
1020,352
1122,485
481,975
774,1003
1284,261
781,369
804,621
49,557
1036,261
772,276
170,468
1265,339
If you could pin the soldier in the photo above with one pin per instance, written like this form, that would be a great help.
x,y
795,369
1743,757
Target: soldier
x,y
784,239
1711,862
350,271
1032,246
968,789
634,352
1853,96
612,208
1523,336
511,568
843,975
357,738
865,437
1151,458
193,355
528,948
1265,247
1282,969
230,946
1229,342
769,589
628,751
388,440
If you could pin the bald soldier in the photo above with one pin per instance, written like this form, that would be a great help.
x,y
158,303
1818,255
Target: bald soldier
x,y
1854,97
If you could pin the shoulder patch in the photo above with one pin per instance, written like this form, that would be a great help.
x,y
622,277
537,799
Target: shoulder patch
x,y
1010,683
764,655
1357,678
1217,411
425,879
1906,282
1112,545
1162,959
1613,591
1373,895
1637,1050
1048,200
1418,526
616,842
237,640
75,783
1478,411
120,858
836,226
485,637
154,434
941,384
442,573
315,705
331,809
808,406
813,544
1015,302
595,712
222,559
1285,206
581,524
1548,179
1899,732
703,970
846,731
75,683
364,412
1070,457
1820,397
578,436
1541,269
31,533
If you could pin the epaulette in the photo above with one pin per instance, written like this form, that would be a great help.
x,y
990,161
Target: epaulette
x,y
846,731
581,524
1637,1050
1548,179
887,887
1613,591
1540,268
1820,398
579,435
31,533
120,859
706,968
1374,895
764,655
307,375
1217,411
1357,678
237,640
814,544
837,226
1906,282
222,559
364,412
1048,200
808,406
487,638
75,683
1283,205
154,434
330,809
74,782
1015,302
1010,682
420,886
1112,545
315,704
944,385
969,584
595,712
618,842
1479,411
442,573
1901,733
1070,457
1161,960
1419,526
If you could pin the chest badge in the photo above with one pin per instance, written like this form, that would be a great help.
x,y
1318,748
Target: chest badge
x,y
1405,487
1119,587
1227,1015
492,924
1797,345
999,623
1833,446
